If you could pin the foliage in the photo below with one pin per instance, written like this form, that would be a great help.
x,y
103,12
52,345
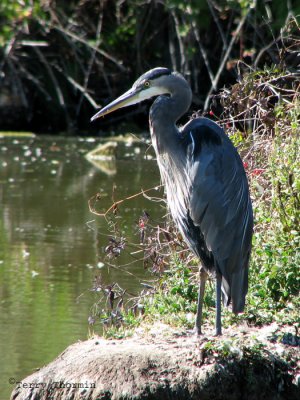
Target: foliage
x,y
181,301
273,166
276,257
270,101
15,15
60,59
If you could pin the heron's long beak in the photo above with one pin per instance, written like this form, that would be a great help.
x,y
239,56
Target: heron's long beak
x,y
132,96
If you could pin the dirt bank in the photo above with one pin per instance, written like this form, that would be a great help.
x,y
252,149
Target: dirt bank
x,y
161,363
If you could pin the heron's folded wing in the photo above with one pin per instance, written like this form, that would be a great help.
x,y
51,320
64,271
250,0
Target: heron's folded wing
x,y
220,206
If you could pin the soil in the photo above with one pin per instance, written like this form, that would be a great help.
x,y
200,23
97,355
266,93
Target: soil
x,y
164,363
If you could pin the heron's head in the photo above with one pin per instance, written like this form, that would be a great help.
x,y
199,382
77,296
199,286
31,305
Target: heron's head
x,y
153,83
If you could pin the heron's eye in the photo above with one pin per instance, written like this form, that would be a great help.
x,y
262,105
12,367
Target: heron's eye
x,y
147,84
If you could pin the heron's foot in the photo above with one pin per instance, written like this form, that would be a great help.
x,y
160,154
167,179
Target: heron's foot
x,y
193,332
197,330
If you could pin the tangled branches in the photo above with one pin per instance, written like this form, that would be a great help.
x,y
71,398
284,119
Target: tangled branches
x,y
156,243
261,97
255,103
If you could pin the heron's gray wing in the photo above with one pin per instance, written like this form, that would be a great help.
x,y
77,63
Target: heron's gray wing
x,y
219,204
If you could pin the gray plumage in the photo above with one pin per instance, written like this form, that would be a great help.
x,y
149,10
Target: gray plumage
x,y
205,183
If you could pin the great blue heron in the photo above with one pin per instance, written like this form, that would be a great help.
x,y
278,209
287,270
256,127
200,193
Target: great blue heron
x,y
205,183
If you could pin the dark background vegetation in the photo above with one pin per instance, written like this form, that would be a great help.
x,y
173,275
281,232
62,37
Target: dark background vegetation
x,y
61,60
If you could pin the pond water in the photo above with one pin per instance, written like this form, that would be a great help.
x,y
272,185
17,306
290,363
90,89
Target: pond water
x,y
52,246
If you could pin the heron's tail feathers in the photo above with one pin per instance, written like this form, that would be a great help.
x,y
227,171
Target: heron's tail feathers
x,y
234,290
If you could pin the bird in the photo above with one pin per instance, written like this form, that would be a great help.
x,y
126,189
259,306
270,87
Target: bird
x,y
206,186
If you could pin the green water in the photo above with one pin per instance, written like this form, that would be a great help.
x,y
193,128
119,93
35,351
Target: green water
x,y
52,247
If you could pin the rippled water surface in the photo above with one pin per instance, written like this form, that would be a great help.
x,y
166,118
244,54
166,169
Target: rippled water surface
x,y
52,246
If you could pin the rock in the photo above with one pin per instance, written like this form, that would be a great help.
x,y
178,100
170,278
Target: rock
x,y
159,367
104,151
103,157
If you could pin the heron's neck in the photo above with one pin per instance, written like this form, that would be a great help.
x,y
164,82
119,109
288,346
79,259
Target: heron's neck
x,y
165,112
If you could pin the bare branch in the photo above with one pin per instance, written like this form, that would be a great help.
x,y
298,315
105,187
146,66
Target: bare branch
x,y
97,197
89,45
224,60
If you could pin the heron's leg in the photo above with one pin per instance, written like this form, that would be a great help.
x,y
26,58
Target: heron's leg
x,y
202,280
218,305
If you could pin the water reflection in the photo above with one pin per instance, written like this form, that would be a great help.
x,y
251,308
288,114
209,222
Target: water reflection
x,y
51,245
